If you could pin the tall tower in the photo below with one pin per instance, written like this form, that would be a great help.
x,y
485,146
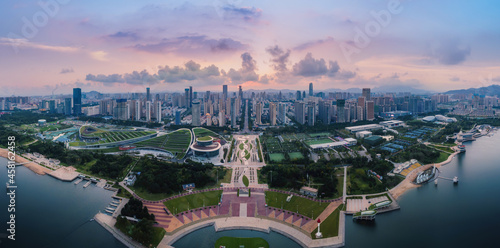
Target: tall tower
x,y
367,94
370,110
138,111
240,92
148,94
67,106
311,113
77,101
272,113
300,115
311,92
233,112
258,113
190,96
196,113
148,111
158,111
186,92
224,92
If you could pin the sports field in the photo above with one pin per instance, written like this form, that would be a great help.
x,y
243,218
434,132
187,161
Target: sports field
x,y
276,157
295,155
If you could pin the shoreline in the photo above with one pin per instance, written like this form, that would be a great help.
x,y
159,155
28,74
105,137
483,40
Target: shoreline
x,y
38,169
408,184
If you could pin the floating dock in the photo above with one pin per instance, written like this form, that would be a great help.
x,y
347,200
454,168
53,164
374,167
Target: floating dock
x,y
78,181
87,184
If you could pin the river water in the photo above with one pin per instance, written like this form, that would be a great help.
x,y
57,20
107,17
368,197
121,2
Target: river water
x,y
51,213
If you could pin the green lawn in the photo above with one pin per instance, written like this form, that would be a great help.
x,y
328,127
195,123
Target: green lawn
x,y
276,157
318,141
305,206
330,225
157,236
188,202
204,138
295,155
234,242
442,157
246,181
242,146
144,194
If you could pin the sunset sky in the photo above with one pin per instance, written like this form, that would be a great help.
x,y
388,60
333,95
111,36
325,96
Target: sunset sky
x,y
126,46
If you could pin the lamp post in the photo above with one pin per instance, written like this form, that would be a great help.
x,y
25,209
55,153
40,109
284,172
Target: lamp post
x,y
318,234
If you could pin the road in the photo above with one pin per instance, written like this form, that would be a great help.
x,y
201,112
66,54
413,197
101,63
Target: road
x,y
344,195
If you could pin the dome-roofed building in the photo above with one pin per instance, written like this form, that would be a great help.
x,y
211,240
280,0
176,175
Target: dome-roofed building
x,y
206,147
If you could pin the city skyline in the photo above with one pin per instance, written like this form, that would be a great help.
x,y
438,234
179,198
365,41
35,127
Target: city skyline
x,y
170,46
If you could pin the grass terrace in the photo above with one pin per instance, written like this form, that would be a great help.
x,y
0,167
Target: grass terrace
x,y
201,132
204,138
189,202
304,206
330,225
104,136
176,142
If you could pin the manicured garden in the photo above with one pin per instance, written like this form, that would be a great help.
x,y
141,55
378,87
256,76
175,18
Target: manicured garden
x,y
176,142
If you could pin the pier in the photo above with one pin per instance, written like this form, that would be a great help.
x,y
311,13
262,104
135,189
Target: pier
x,y
78,181
87,184
454,180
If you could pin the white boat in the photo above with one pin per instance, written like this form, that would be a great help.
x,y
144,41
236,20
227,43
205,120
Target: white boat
x,y
455,180
436,182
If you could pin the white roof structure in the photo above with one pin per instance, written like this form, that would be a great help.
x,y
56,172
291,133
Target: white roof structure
x,y
363,128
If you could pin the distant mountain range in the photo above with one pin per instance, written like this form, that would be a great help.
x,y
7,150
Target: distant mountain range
x,y
380,89
492,90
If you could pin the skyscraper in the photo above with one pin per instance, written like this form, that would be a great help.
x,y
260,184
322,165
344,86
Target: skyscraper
x,y
367,94
158,111
282,112
298,97
340,110
177,117
224,92
186,92
148,95
148,111
370,110
233,112
272,113
258,113
311,113
121,110
67,106
196,113
300,109
137,114
240,93
324,111
311,92
77,101
190,96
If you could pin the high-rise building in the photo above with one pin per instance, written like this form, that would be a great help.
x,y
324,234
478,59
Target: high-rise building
x,y
121,110
158,111
282,112
148,95
222,118
52,106
300,112
272,113
341,116
258,113
311,92
311,113
77,101
67,106
148,111
367,94
137,114
233,112
177,117
324,111
190,96
224,92
370,110
240,93
196,113
186,96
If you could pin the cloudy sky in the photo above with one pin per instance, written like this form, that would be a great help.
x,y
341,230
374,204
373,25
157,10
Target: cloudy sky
x,y
128,45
